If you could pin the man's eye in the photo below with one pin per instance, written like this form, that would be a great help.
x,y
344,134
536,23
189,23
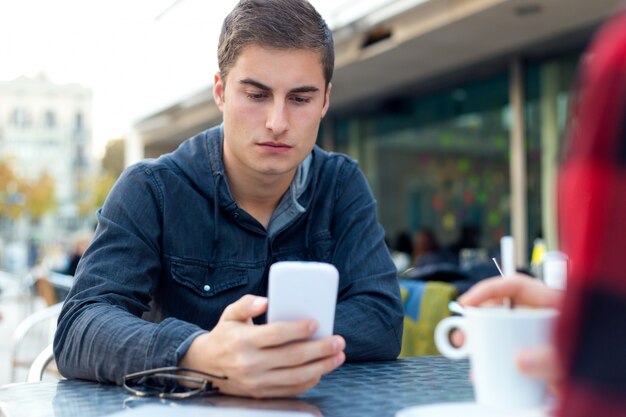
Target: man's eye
x,y
256,96
300,100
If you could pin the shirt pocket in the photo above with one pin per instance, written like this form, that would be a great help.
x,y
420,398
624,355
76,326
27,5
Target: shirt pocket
x,y
320,248
207,280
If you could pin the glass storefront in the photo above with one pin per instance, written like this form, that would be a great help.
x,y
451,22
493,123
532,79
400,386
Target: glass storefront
x,y
441,161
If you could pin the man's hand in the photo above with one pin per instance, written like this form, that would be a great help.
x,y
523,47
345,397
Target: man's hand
x,y
270,360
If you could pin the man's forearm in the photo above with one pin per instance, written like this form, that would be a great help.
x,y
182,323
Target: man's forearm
x,y
103,343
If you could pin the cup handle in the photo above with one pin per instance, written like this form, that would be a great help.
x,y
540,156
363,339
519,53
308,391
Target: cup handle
x,y
442,338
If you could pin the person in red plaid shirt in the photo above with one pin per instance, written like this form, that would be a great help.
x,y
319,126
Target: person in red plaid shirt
x,y
588,360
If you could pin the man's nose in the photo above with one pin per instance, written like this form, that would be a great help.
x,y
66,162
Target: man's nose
x,y
277,119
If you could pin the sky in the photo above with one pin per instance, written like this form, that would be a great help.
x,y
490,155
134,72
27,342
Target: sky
x,y
138,56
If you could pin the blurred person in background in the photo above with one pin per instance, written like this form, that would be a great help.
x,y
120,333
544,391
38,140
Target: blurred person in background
x,y
33,252
402,251
55,257
81,243
587,361
177,271
426,249
469,238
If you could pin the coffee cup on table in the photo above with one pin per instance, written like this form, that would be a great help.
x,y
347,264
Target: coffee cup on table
x,y
494,336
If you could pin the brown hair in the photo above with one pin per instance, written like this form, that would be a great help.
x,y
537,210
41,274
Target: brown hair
x,y
277,24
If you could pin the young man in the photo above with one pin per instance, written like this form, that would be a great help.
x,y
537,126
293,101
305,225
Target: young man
x,y
178,267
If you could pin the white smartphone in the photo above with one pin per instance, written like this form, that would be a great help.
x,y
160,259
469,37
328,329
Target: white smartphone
x,y
301,290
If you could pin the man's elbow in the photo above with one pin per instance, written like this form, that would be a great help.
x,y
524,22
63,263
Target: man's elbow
x,y
385,346
395,339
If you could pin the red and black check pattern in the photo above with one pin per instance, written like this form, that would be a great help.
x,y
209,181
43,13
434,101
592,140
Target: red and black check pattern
x,y
591,335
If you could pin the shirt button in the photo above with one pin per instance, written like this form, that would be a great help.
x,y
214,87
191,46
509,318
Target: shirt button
x,y
236,215
207,288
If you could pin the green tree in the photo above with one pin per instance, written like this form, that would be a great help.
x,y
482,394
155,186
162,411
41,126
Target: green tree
x,y
19,197
96,189
39,197
11,192
99,188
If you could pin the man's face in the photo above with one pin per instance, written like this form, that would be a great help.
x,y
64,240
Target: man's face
x,y
273,102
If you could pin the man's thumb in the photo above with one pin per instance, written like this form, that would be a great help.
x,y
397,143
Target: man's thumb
x,y
245,308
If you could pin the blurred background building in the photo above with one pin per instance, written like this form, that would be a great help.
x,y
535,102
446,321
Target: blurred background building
x,y
45,150
455,110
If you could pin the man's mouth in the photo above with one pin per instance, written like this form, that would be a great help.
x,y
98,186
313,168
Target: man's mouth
x,y
274,147
275,144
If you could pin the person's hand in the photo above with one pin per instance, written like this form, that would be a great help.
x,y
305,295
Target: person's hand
x,y
521,289
270,360
539,362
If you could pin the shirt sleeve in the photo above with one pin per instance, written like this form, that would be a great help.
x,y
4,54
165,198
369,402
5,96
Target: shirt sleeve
x,y
369,311
101,335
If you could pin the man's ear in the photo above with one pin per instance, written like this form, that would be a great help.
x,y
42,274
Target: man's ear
x,y
218,90
326,100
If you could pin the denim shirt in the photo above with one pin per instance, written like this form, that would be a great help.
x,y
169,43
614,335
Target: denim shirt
x,y
172,249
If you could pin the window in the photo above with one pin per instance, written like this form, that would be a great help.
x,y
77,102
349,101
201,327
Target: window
x,y
20,117
78,122
50,119
439,160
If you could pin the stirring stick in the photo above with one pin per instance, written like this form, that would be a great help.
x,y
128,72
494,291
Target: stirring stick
x,y
498,266
507,301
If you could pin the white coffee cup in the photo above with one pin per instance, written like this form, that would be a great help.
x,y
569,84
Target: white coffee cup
x,y
493,338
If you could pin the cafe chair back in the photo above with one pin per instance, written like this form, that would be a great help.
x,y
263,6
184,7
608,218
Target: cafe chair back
x,y
40,364
47,315
425,305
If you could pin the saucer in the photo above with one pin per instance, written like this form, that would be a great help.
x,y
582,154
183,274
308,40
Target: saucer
x,y
468,410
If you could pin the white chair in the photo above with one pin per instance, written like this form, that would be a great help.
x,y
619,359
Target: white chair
x,y
39,365
47,314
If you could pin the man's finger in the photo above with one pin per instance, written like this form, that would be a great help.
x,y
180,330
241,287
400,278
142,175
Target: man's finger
x,y
303,374
284,382
296,380
301,353
280,333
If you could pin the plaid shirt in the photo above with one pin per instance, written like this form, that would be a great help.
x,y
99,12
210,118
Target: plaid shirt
x,y
591,335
